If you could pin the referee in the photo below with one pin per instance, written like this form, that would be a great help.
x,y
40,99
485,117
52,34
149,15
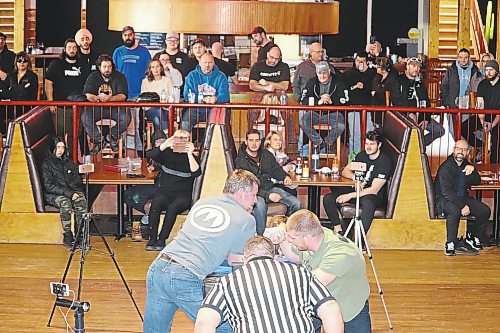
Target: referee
x,y
268,296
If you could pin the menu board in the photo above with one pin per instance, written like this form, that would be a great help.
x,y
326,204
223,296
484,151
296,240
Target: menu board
x,y
154,41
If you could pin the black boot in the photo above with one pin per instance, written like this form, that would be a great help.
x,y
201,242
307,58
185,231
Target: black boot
x,y
68,239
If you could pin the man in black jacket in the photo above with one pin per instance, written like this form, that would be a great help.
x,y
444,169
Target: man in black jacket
x,y
453,179
63,187
323,89
410,91
252,157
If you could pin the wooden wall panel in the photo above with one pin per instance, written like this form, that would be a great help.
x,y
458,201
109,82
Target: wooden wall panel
x,y
224,17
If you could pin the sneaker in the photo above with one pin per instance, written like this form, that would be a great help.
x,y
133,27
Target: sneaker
x,y
473,241
145,220
136,232
68,239
159,245
150,246
464,248
97,149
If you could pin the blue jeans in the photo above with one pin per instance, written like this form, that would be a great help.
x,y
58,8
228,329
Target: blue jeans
x,y
158,118
170,286
354,120
307,119
260,209
193,116
91,115
359,324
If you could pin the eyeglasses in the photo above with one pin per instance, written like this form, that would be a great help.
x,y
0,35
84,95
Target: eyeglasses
x,y
461,149
21,60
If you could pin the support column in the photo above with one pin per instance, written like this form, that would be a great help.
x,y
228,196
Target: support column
x,y
463,38
433,40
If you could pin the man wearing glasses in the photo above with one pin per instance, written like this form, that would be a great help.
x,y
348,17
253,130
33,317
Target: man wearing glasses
x,y
453,179
178,58
307,69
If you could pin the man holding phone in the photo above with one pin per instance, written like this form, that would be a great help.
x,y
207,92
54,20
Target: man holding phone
x,y
178,169
373,192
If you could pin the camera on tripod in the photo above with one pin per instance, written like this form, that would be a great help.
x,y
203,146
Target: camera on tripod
x,y
358,168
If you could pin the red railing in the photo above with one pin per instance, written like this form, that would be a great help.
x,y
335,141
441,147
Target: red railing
x,y
240,117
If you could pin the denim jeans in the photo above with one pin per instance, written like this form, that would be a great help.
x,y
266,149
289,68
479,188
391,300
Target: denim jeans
x,y
307,119
193,116
359,324
91,115
435,130
170,286
158,118
354,120
260,208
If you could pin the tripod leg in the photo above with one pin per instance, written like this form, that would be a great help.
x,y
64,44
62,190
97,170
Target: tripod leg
x,y
68,264
112,255
370,257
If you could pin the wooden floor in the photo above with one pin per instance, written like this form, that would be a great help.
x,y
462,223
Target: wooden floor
x,y
424,291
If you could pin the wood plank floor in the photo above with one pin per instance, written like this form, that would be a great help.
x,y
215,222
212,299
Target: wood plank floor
x,y
424,290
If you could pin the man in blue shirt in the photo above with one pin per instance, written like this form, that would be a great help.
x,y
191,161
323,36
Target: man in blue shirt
x,y
132,60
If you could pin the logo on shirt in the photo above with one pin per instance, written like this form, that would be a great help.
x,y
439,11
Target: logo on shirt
x,y
74,71
206,90
275,74
209,218
178,61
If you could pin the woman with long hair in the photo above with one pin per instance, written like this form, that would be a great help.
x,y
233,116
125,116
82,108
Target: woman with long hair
x,y
274,143
156,81
19,85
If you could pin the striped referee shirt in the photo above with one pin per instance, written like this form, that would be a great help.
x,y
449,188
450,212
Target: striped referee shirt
x,y
268,296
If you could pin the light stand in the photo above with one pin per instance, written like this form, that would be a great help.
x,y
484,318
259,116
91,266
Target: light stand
x,y
360,238
77,306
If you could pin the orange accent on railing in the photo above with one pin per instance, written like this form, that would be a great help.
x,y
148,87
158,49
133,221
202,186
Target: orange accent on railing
x,y
478,27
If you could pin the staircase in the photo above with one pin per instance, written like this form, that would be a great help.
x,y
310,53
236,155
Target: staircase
x,y
7,21
448,28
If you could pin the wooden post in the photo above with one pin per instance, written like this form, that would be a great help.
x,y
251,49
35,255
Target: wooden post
x,y
433,29
463,38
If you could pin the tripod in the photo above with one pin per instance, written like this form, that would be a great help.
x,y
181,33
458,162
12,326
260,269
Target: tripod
x,y
84,234
360,237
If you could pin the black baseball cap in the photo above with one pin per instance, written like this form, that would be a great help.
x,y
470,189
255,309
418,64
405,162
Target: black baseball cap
x,y
3,35
128,27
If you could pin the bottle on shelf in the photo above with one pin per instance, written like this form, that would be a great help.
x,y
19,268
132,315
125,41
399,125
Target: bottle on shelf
x,y
335,168
305,170
163,96
283,98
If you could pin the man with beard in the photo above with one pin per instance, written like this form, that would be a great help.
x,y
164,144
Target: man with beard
x,y
105,85
132,60
454,86
262,163
178,58
83,38
259,37
6,57
488,97
64,80
373,192
410,91
453,179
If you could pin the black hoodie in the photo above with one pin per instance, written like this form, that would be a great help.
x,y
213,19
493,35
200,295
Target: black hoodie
x,y
267,168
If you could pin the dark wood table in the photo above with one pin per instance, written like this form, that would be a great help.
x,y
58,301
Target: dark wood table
x,y
100,176
314,184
